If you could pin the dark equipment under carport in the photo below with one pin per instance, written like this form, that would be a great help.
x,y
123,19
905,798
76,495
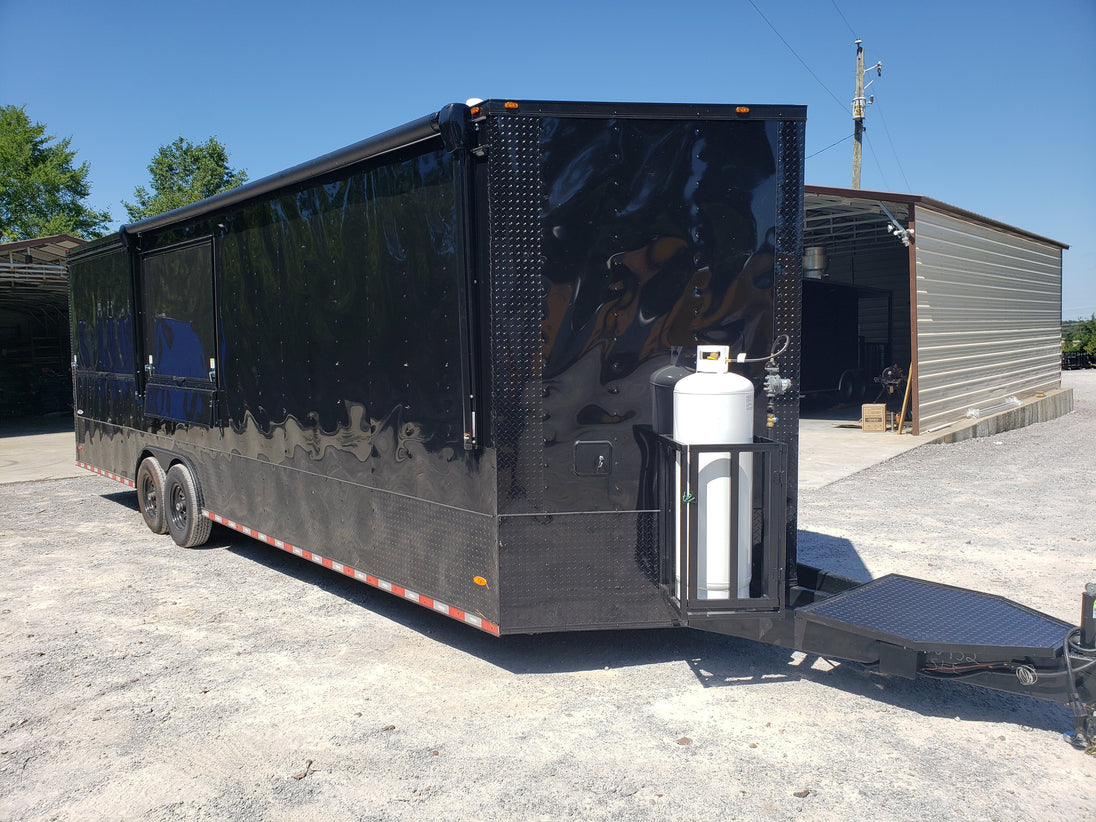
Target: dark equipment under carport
x,y
438,361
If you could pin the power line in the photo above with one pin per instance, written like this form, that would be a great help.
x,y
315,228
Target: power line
x,y
878,167
827,148
851,31
897,159
797,57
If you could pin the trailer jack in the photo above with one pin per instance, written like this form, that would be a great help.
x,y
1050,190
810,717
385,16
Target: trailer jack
x,y
1084,737
1081,643
1084,716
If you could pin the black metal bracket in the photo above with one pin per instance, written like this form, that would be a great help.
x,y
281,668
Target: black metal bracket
x,y
680,490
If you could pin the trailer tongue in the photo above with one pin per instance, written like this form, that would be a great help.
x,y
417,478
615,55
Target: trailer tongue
x,y
909,626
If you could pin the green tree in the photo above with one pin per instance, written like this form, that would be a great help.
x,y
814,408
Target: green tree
x,y
183,173
1079,337
41,192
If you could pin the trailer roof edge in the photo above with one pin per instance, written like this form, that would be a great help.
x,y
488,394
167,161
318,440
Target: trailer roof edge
x,y
649,111
400,137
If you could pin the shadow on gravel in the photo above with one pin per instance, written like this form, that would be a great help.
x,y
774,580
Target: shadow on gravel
x,y
834,554
716,661
127,499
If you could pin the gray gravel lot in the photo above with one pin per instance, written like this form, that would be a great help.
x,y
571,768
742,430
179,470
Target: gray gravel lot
x,y
142,681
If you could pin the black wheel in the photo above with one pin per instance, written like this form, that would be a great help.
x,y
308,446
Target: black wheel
x,y
183,510
150,494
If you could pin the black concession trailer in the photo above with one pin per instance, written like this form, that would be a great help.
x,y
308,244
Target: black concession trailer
x,y
445,361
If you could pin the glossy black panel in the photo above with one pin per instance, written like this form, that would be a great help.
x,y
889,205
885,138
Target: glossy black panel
x,y
656,234
342,340
181,403
107,397
178,342
177,311
103,337
102,317
650,234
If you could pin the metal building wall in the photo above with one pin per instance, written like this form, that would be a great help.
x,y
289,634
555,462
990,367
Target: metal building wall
x,y
988,315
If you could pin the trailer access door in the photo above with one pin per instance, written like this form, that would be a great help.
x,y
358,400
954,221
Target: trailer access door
x,y
178,333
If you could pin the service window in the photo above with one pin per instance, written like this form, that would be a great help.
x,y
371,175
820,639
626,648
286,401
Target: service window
x,y
103,337
178,333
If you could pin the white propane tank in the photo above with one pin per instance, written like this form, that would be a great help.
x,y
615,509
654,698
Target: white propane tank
x,y
711,407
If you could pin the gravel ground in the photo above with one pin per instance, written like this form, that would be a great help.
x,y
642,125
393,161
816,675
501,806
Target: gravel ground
x,y
140,681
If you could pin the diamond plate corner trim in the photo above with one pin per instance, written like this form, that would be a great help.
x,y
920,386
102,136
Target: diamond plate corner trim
x,y
517,296
789,307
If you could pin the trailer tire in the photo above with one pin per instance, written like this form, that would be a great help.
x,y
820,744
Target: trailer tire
x,y
150,494
851,387
183,510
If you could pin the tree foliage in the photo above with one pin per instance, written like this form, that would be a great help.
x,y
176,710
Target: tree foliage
x,y
1079,336
41,192
182,173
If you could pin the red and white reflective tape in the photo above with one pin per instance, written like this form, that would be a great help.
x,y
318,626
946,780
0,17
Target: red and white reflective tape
x,y
106,474
421,599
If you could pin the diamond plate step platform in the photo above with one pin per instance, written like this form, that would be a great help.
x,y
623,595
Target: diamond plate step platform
x,y
928,616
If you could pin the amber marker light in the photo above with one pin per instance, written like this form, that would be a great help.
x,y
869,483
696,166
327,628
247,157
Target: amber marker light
x,y
475,110
510,105
480,581
742,110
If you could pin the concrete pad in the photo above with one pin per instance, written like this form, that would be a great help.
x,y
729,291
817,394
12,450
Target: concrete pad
x,y
38,449
833,446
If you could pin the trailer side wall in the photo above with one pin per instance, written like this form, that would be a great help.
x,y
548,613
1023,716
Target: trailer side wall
x,y
305,365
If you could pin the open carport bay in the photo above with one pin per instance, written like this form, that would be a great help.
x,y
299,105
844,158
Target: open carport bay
x,y
142,681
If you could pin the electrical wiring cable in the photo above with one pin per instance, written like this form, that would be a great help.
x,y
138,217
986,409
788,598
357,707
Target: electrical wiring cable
x,y
797,57
831,145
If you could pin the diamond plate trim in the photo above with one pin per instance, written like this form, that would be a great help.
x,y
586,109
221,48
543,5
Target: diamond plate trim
x,y
923,613
517,297
789,309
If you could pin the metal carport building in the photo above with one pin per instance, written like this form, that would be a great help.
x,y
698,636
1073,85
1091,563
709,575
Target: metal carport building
x,y
35,375
973,305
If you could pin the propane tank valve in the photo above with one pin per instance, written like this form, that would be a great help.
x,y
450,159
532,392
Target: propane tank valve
x,y
775,385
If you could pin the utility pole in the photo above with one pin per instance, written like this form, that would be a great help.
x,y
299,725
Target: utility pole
x,y
859,103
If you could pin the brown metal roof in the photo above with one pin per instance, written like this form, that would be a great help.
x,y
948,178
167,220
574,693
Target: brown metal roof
x,y
827,203
46,250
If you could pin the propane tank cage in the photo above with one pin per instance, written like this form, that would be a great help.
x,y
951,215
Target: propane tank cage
x,y
769,527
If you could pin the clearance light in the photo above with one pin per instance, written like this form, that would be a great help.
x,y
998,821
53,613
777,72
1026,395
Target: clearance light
x,y
475,110
510,105
742,110
479,581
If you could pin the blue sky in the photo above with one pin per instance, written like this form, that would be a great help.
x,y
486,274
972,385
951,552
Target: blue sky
x,y
989,106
